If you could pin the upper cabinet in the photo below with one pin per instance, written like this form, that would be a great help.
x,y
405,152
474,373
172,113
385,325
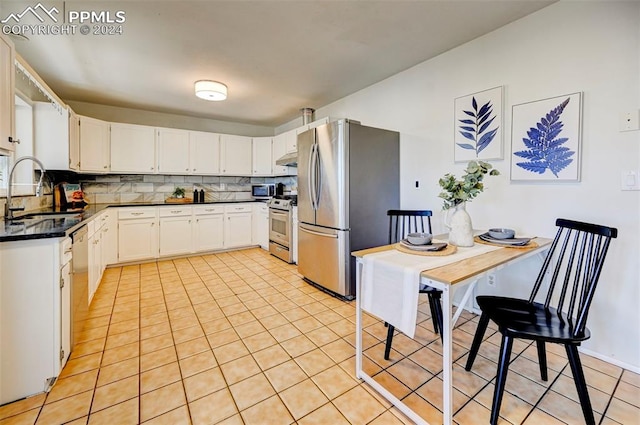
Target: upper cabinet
x,y
173,151
290,140
7,94
204,153
235,155
94,145
132,148
74,141
262,156
279,148
51,136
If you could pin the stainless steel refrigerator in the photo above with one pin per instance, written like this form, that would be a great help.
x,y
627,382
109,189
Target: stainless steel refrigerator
x,y
348,177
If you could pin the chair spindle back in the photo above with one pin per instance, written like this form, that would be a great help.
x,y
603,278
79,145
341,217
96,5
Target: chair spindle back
x,y
402,222
575,262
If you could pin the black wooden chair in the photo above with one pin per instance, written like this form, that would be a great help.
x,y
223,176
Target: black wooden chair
x,y
571,270
402,222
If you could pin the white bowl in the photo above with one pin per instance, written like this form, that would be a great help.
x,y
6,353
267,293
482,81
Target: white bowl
x,y
419,238
498,233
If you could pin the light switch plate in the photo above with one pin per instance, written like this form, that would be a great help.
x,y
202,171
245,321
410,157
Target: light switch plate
x,y
630,180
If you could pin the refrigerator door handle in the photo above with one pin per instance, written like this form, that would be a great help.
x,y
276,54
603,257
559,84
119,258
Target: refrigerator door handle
x,y
318,178
312,177
326,235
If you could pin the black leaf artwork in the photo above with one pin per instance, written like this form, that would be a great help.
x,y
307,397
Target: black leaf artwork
x,y
544,150
476,128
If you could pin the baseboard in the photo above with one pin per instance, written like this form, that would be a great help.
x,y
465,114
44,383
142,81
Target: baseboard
x,y
613,361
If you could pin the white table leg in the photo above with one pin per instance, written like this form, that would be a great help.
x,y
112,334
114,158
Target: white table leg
x,y
447,366
359,266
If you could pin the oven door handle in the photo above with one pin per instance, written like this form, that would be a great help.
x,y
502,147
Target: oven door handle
x,y
276,213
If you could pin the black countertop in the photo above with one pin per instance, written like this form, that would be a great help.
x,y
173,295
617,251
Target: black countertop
x,y
44,224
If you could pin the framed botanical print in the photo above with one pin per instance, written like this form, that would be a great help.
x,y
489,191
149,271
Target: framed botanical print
x,y
478,126
546,139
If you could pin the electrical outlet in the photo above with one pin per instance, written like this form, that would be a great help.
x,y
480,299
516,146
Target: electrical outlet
x,y
491,279
630,121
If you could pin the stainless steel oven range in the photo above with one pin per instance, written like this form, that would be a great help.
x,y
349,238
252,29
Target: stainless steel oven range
x,y
281,227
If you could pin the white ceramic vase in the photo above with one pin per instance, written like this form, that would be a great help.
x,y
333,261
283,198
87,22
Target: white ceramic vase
x,y
458,222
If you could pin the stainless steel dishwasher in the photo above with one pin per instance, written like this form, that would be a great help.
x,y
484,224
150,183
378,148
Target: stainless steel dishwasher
x,y
79,282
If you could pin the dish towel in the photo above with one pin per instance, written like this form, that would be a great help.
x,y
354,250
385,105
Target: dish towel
x,y
391,280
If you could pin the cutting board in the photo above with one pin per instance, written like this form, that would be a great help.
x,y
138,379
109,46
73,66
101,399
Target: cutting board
x,y
179,201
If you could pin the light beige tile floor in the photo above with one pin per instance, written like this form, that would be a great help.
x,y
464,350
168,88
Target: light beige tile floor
x,y
240,338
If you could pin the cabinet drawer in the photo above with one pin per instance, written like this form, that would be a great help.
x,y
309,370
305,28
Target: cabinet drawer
x,y
209,209
236,208
261,208
174,211
131,213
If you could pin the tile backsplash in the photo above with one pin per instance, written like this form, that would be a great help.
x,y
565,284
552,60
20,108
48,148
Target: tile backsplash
x,y
111,189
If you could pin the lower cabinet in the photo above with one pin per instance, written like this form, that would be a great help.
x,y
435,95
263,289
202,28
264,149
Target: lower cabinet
x,y
34,336
237,225
175,231
95,262
208,228
261,225
137,234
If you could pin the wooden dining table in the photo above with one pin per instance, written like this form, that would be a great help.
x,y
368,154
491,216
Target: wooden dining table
x,y
456,275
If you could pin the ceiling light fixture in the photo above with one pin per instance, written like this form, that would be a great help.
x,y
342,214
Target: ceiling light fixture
x,y
211,90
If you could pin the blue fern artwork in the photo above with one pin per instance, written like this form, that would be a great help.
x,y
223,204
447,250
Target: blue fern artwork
x,y
476,127
545,150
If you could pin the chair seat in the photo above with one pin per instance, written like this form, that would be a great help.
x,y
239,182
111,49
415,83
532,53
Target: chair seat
x,y
521,319
426,289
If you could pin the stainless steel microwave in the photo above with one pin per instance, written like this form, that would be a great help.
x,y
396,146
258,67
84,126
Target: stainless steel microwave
x,y
263,191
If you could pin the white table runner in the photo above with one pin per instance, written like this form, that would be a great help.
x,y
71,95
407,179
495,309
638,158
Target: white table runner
x,y
391,280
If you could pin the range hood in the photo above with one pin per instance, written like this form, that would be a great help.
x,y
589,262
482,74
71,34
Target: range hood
x,y
288,160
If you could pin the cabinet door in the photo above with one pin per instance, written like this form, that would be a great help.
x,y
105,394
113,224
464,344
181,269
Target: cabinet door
x,y
262,156
65,314
133,148
236,155
7,97
279,148
209,232
173,151
175,235
74,141
109,238
237,230
50,135
261,225
204,156
95,263
94,145
137,239
291,139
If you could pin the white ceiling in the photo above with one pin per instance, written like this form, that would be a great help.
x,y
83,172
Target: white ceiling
x,y
275,56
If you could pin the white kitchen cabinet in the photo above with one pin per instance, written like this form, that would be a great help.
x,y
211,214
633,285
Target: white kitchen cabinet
x,y
34,329
261,225
175,230
208,228
95,260
204,153
294,235
7,93
132,148
173,151
237,225
137,234
279,148
109,237
94,145
290,140
51,136
74,141
235,155
262,156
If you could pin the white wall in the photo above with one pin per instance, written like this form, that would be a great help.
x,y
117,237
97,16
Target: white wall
x,y
593,47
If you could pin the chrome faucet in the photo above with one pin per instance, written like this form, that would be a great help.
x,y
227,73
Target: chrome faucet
x,y
8,209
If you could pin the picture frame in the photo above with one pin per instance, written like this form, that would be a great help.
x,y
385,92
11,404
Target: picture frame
x,y
478,126
546,139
